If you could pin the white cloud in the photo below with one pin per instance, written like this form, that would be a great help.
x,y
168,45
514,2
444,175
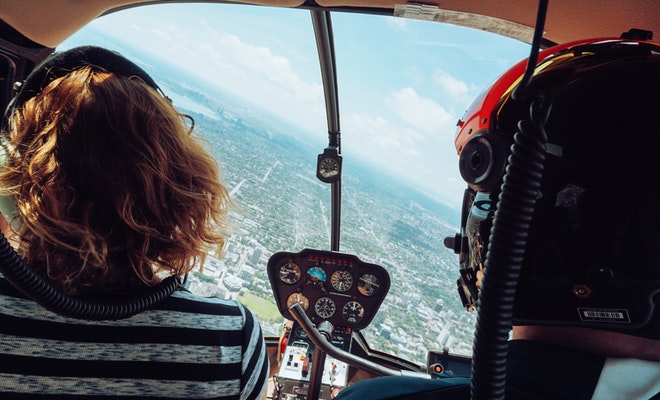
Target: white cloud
x,y
416,138
409,131
457,90
254,72
397,24
423,158
267,79
450,84
423,113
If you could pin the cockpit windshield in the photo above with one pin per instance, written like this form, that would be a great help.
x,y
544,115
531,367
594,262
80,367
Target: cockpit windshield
x,y
250,78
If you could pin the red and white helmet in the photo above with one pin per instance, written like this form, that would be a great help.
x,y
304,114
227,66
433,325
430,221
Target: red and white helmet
x,y
591,256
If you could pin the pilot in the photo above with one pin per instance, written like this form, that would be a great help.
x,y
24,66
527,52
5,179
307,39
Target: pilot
x,y
106,192
561,223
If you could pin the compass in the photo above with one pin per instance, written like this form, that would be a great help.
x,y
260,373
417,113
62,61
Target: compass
x,y
328,168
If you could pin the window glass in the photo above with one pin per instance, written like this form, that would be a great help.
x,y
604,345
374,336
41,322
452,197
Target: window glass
x,y
250,78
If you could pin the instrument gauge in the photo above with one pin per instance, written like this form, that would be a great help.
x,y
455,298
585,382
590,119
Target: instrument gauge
x,y
353,312
368,284
317,275
298,298
290,273
325,307
341,280
328,166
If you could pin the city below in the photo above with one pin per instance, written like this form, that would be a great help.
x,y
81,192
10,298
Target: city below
x,y
281,206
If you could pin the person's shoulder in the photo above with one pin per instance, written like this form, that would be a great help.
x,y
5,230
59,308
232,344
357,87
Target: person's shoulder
x,y
186,301
187,295
184,309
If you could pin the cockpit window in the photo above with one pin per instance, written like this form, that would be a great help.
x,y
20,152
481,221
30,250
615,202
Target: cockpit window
x,y
250,78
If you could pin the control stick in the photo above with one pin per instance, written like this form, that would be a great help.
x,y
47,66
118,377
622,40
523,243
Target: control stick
x,y
322,343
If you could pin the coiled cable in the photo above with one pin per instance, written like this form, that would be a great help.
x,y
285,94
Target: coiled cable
x,y
14,269
508,239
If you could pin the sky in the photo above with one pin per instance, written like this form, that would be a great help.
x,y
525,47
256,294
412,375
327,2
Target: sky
x,y
399,96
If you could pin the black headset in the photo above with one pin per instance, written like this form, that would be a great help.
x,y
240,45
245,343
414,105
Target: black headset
x,y
59,64
12,267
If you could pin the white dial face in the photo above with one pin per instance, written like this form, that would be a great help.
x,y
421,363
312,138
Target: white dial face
x,y
289,273
353,312
325,307
329,167
341,280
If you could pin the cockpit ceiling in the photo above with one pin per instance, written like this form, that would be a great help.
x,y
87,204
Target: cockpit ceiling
x,y
48,22
566,20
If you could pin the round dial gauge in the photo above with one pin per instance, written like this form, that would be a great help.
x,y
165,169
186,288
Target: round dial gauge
x,y
341,280
325,307
298,298
353,312
317,274
289,273
368,284
329,167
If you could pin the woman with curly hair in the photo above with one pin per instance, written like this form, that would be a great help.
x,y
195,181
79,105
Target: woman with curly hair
x,y
113,193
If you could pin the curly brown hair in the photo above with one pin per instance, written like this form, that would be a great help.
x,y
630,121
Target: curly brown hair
x,y
112,190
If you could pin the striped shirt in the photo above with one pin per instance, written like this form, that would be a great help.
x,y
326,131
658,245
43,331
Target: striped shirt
x,y
188,347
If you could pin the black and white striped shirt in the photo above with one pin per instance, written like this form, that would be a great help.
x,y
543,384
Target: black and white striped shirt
x,y
188,347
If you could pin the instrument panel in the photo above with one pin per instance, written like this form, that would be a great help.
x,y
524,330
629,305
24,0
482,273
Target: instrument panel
x,y
330,286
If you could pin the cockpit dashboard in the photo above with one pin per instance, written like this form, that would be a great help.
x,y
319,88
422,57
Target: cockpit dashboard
x,y
330,286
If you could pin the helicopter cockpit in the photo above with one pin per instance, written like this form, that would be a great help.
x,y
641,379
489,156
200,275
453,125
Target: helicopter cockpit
x,y
339,222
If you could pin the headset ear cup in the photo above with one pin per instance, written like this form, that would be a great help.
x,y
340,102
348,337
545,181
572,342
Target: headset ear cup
x,y
482,162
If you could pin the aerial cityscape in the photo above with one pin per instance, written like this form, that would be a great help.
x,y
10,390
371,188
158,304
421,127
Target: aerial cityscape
x,y
281,206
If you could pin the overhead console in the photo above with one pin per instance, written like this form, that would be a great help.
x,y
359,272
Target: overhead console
x,y
330,286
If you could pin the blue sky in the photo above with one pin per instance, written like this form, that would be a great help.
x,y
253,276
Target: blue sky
x,y
400,95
